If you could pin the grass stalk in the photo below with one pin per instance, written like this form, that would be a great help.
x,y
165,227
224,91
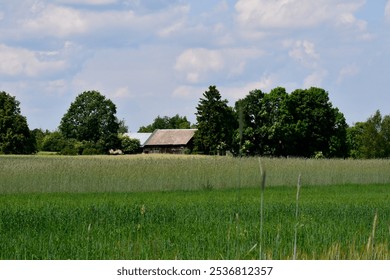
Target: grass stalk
x,y
262,188
371,239
296,218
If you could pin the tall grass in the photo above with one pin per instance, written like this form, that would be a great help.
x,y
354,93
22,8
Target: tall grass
x,y
22,174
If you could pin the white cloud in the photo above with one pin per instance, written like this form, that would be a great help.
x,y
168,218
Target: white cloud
x,y
231,92
171,29
65,21
18,61
199,64
348,71
55,21
315,79
266,83
196,63
186,91
387,9
122,93
87,2
303,51
293,13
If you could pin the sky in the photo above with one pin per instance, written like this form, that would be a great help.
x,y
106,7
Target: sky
x,y
157,57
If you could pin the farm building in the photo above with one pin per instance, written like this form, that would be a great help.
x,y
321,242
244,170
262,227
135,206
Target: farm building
x,y
170,141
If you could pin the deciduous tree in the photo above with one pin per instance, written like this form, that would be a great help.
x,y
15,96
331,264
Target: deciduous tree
x,y
264,122
315,124
15,136
371,139
91,117
302,123
175,122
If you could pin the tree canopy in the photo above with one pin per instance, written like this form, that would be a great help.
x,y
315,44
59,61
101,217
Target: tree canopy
x,y
315,126
175,122
15,136
264,122
91,117
302,123
370,139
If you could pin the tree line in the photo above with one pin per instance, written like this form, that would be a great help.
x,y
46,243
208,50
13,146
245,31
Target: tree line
x,y
303,123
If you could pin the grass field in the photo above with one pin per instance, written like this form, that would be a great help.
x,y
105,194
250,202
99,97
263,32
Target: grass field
x,y
154,207
26,174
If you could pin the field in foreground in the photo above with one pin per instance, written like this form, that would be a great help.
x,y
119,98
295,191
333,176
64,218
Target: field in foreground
x,y
338,222
152,207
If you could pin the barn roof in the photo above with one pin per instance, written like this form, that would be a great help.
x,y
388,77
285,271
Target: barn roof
x,y
170,137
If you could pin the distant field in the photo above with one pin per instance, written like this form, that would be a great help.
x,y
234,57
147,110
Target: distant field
x,y
24,174
185,207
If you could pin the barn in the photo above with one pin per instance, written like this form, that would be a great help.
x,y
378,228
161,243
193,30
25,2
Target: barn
x,y
170,141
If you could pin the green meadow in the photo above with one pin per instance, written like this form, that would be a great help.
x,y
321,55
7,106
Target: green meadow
x,y
192,207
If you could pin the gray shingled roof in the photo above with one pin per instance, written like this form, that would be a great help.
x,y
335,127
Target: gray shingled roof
x,y
170,137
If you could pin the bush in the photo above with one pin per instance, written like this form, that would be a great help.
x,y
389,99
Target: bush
x,y
91,148
319,155
91,151
72,148
69,151
53,142
130,145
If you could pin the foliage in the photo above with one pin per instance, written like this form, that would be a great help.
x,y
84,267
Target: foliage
x,y
216,123
91,117
175,122
56,142
315,125
298,124
370,139
53,142
15,136
123,128
130,145
72,147
264,122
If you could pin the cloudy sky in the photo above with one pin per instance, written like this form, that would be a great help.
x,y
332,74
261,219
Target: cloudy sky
x,y
157,57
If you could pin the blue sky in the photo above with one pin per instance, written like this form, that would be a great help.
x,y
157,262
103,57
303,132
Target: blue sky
x,y
157,57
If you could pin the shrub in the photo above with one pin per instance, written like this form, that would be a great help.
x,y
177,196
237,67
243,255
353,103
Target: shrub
x,y
53,142
130,145
91,151
72,148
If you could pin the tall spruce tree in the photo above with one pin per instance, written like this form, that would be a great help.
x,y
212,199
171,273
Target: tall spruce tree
x,y
216,123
